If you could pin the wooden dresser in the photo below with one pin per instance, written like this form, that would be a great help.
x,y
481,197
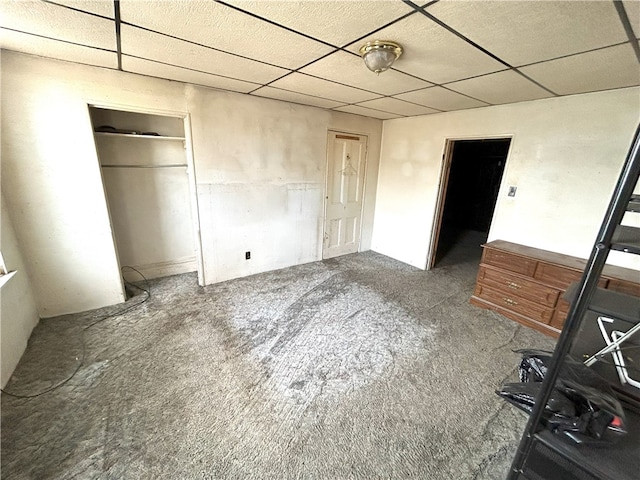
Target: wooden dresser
x,y
526,284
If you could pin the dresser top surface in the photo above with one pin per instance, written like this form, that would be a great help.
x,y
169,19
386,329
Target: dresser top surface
x,y
610,271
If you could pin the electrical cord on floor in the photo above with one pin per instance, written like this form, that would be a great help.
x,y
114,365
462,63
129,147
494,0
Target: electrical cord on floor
x,y
146,290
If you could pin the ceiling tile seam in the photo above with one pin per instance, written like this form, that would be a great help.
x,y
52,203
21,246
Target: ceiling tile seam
x,y
476,45
343,84
305,94
390,68
572,54
343,49
385,111
444,84
534,81
190,69
291,101
79,10
414,76
628,29
408,101
465,95
116,12
458,34
56,40
131,72
266,20
373,32
428,4
75,62
450,90
124,22
369,108
296,70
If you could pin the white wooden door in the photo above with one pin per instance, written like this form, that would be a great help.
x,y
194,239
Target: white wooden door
x,y
346,159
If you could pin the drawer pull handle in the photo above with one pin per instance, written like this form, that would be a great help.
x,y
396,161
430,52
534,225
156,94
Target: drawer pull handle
x,y
513,285
509,301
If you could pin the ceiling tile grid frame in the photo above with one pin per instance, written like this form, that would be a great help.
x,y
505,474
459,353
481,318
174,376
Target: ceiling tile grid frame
x,y
506,86
308,85
441,98
349,69
524,32
367,112
399,107
152,46
58,22
223,28
104,8
338,23
46,47
294,97
171,72
602,69
433,53
334,71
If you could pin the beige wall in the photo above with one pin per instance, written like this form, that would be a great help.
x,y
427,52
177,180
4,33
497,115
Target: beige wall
x,y
259,167
18,312
566,155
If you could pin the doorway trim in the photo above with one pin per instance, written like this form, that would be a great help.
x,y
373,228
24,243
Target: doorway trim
x,y
326,186
191,177
443,183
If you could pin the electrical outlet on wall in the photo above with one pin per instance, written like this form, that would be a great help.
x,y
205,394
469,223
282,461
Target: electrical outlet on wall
x,y
247,255
512,191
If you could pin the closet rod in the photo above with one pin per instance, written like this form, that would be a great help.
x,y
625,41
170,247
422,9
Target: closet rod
x,y
171,165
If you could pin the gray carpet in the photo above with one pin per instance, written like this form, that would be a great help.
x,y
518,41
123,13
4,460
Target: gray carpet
x,y
357,367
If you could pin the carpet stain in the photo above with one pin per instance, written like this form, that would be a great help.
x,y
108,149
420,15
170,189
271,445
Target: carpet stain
x,y
358,367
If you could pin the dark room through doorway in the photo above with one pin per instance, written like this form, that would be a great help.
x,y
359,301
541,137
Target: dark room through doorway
x,y
471,182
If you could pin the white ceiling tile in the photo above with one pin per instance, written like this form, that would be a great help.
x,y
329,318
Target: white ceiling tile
x,y
336,22
149,45
433,53
366,112
219,26
99,7
298,82
287,96
25,43
522,32
154,69
399,107
349,69
632,7
57,22
502,87
605,69
441,98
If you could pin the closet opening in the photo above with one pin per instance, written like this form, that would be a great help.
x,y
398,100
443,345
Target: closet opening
x,y
471,177
146,164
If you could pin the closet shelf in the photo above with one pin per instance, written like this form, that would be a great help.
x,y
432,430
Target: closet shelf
x,y
135,135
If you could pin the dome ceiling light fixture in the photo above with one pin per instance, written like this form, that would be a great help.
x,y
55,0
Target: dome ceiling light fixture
x,y
379,55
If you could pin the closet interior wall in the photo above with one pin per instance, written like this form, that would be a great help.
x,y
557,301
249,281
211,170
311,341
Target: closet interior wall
x,y
145,175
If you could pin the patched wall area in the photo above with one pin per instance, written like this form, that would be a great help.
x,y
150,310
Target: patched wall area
x,y
259,166
565,157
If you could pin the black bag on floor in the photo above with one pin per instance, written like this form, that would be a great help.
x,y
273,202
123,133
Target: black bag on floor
x,y
582,405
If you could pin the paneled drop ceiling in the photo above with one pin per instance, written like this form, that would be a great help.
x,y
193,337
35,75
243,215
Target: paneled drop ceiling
x,y
457,54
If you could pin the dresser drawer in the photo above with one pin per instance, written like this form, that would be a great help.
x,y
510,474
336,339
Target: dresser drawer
x,y
559,316
624,286
515,303
507,261
514,285
560,276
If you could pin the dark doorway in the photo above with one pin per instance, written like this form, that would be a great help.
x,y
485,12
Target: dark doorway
x,y
475,173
